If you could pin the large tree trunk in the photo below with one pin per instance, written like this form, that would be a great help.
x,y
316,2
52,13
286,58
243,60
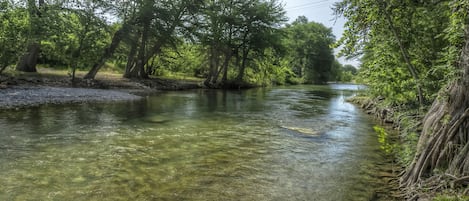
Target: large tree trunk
x,y
242,68
154,51
226,63
141,62
28,61
77,54
214,62
76,57
109,51
131,60
444,142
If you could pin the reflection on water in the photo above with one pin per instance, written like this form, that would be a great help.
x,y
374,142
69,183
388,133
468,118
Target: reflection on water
x,y
293,143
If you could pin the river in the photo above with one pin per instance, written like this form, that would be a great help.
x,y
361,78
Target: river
x,y
286,143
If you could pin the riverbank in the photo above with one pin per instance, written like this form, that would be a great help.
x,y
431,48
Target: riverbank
x,y
28,96
408,124
50,87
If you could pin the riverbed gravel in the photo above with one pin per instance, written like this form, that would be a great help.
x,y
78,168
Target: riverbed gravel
x,y
21,96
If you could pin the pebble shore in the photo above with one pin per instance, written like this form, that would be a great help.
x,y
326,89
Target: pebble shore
x,y
20,96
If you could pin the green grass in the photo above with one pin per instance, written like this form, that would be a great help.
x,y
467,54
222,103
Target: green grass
x,y
108,72
179,76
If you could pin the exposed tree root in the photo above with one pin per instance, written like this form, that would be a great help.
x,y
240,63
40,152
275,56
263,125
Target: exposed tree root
x,y
434,184
444,143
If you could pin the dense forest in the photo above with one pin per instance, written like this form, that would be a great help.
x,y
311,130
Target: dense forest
x,y
415,59
223,41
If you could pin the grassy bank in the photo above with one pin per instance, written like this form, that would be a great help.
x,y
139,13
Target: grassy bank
x,y
104,80
407,123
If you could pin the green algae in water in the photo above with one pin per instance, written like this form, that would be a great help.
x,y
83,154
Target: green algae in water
x,y
212,145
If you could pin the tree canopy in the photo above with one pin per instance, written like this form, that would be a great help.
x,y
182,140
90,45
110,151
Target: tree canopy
x,y
407,48
227,42
309,45
415,55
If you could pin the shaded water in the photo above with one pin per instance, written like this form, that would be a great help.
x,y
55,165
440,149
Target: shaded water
x,y
293,143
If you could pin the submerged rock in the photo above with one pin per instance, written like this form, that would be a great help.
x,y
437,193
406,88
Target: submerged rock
x,y
306,131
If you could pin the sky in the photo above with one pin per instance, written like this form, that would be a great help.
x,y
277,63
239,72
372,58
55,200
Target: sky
x,y
318,11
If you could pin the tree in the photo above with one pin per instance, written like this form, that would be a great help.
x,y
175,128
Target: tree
x,y
348,73
261,33
13,30
28,61
443,144
350,68
126,12
59,31
147,26
309,44
401,40
87,30
235,29
417,43
336,71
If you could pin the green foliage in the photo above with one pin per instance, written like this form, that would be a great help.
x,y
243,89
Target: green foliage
x,y
238,30
351,69
336,71
409,123
342,73
407,149
187,60
348,73
346,76
13,33
221,40
428,34
383,139
270,70
309,48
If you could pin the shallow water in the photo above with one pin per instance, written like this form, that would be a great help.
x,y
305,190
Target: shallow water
x,y
291,143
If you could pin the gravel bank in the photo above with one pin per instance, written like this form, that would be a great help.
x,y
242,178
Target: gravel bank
x,y
18,96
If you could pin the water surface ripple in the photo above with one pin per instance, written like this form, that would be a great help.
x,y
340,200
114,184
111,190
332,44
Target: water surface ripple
x,y
291,143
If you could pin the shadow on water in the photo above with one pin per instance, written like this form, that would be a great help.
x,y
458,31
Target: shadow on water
x,y
289,143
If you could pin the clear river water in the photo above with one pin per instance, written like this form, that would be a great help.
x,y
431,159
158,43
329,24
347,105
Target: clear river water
x,y
287,143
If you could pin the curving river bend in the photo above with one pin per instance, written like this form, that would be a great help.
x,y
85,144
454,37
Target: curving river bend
x,y
290,143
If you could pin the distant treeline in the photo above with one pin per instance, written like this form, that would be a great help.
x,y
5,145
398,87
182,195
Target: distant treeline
x,y
223,41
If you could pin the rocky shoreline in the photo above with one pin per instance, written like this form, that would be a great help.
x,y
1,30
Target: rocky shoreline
x,y
21,92
21,96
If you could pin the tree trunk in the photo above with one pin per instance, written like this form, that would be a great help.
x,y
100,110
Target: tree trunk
x,y
242,68
226,63
444,142
75,58
405,54
155,50
301,66
131,60
3,68
109,51
214,60
77,54
141,62
28,61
